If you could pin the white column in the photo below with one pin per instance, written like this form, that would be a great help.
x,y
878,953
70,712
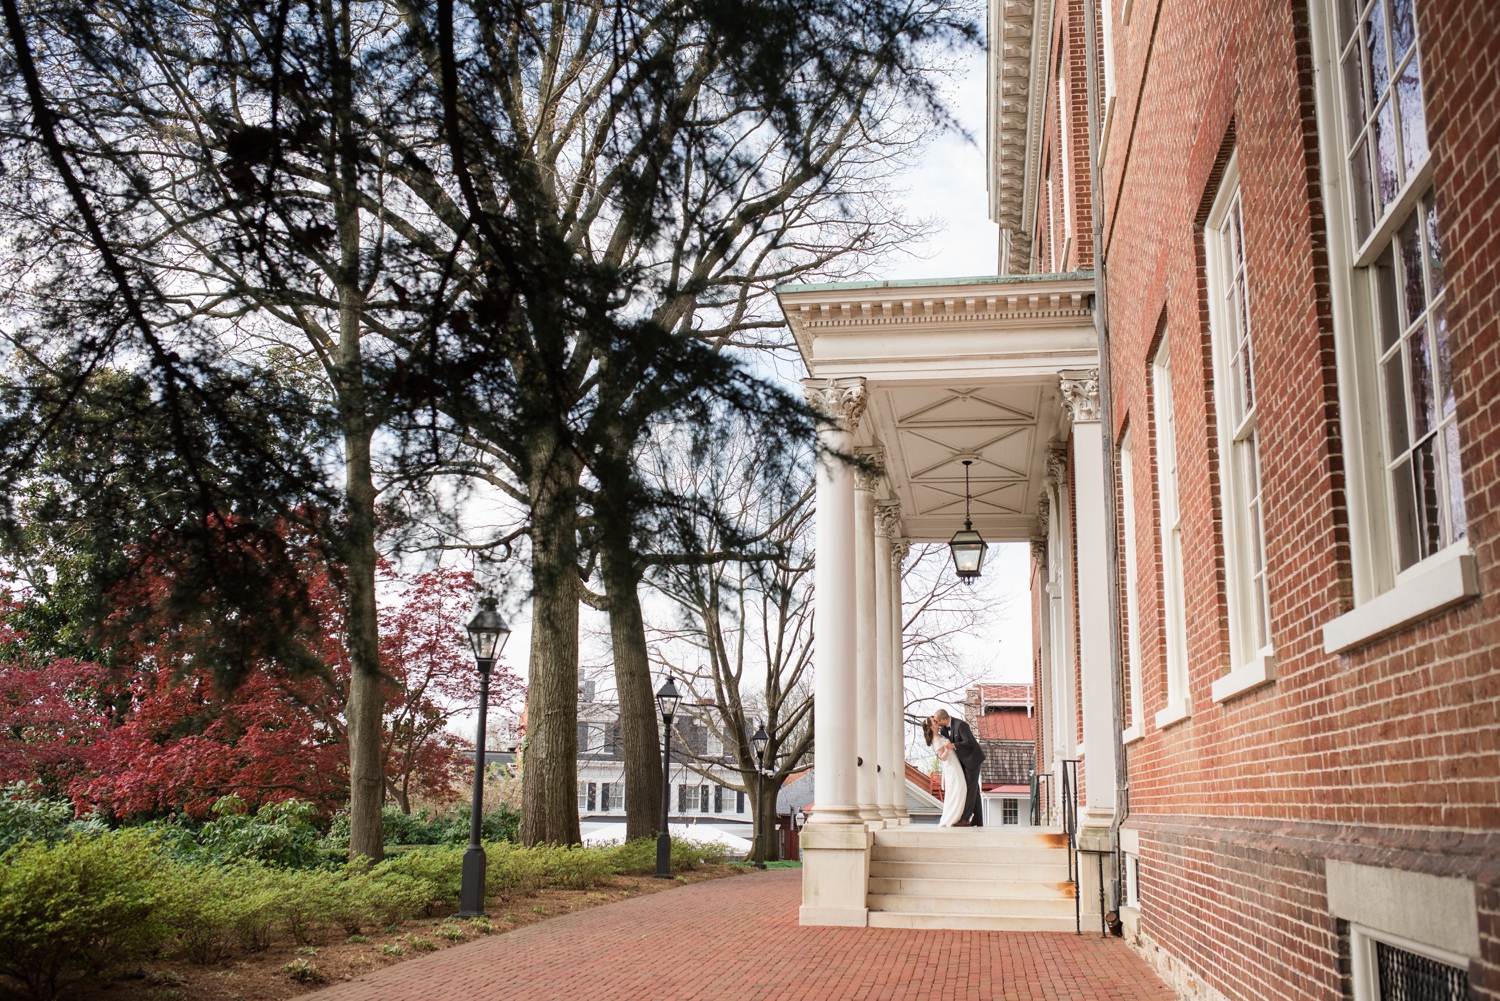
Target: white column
x,y
841,402
835,845
887,524
866,687
1091,508
899,549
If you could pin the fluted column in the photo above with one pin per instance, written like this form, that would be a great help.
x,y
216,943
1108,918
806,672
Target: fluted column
x,y
841,403
866,685
887,524
899,549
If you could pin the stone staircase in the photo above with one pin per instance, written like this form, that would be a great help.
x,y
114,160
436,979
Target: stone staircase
x,y
996,879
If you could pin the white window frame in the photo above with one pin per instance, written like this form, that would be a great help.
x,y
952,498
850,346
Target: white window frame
x,y
1137,728
1107,18
1385,600
1252,663
1362,958
1174,596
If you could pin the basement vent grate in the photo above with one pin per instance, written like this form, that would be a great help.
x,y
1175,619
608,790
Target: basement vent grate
x,y
1408,976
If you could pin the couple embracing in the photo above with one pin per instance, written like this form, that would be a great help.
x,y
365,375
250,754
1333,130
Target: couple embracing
x,y
954,742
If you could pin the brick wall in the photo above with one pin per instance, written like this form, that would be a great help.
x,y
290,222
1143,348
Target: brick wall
x,y
1389,754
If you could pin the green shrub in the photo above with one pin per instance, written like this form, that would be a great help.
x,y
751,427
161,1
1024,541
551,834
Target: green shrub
x,y
688,855
206,911
440,866
633,858
25,815
511,870
281,834
82,909
367,895
307,903
427,827
574,868
302,972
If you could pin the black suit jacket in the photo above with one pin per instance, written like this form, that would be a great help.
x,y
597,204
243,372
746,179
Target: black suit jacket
x,y
970,754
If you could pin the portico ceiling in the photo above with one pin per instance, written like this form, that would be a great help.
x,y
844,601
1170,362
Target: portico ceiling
x,y
955,369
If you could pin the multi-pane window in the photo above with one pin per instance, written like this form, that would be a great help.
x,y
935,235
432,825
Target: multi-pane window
x,y
592,796
1234,391
583,796
1396,234
1010,811
1387,129
1416,370
1173,597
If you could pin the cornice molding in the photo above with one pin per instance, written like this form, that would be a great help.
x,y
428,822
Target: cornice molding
x,y
1019,41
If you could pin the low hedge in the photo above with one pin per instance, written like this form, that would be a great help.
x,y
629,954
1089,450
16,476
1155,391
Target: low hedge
x,y
94,905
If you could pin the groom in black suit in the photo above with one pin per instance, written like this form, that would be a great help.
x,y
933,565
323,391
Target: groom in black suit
x,y
970,756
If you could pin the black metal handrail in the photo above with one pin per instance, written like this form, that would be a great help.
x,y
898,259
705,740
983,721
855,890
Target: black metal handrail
x,y
1041,799
1070,825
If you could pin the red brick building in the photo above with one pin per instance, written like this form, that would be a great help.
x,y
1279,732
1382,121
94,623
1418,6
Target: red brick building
x,y
1299,242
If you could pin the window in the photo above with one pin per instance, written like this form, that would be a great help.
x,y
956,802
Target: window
x,y
1387,968
1010,812
1132,595
703,798
1400,325
1173,598
739,802
583,738
1234,396
617,795
583,797
593,793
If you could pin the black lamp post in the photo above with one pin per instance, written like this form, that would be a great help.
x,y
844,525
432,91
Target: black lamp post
x,y
487,635
760,740
667,698
968,546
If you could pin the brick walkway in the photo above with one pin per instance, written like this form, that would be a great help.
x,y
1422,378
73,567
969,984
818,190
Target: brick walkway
x,y
737,939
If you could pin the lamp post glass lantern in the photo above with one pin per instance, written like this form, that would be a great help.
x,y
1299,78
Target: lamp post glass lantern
x,y
967,546
666,698
487,635
761,740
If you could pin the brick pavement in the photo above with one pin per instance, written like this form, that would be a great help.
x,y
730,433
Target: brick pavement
x,y
737,939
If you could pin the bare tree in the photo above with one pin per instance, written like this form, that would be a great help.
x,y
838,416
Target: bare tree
x,y
743,637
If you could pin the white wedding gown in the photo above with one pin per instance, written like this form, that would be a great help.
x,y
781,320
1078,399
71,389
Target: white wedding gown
x,y
955,790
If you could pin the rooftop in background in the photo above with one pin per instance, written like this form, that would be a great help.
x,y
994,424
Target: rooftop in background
x,y
1001,712
999,695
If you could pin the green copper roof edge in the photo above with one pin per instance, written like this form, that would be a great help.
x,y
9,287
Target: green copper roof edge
x,y
916,282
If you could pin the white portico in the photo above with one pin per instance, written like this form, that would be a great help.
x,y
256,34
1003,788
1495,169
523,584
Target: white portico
x,y
914,378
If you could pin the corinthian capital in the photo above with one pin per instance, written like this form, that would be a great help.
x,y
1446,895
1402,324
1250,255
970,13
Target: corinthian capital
x,y
899,549
870,470
888,519
1057,464
1043,515
1080,392
1039,552
840,402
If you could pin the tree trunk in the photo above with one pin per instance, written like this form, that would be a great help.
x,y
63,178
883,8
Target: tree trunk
x,y
765,820
639,735
549,782
366,703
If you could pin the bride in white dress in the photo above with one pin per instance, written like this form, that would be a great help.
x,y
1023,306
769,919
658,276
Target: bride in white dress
x,y
955,788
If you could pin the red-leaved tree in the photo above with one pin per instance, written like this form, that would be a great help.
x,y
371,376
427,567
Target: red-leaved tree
x,y
425,654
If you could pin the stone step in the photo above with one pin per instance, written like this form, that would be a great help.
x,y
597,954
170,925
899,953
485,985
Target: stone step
x,y
994,838
971,922
970,854
998,889
1027,906
1055,872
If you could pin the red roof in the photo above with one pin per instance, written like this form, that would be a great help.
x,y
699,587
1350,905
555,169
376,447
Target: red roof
x,y
1009,723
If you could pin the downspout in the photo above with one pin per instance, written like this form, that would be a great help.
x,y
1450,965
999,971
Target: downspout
x,y
1107,428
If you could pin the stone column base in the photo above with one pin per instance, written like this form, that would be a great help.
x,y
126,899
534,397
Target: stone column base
x,y
835,875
